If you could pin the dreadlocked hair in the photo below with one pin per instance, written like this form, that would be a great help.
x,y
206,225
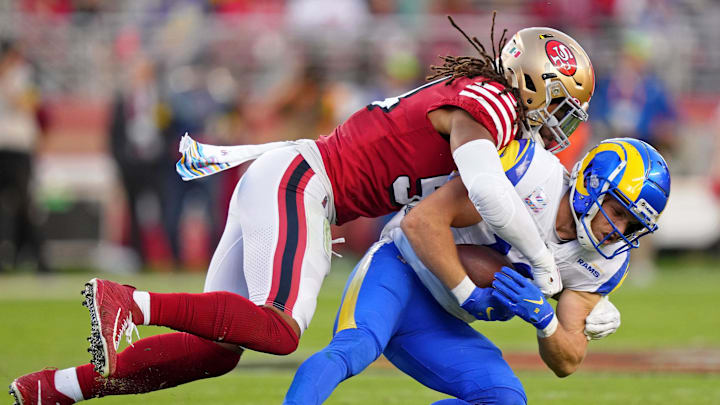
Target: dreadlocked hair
x,y
489,67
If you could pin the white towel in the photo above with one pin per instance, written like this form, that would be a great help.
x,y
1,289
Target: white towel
x,y
200,160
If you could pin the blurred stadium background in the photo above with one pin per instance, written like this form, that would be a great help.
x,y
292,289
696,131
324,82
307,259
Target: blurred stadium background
x,y
95,94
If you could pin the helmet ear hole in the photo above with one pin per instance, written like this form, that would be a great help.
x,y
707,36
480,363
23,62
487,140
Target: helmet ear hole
x,y
529,83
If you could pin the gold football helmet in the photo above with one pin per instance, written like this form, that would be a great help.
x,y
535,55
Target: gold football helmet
x,y
549,67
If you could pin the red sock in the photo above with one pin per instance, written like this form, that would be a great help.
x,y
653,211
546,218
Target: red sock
x,y
224,317
158,362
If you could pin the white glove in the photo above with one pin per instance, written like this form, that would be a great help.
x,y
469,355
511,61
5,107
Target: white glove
x,y
546,275
603,320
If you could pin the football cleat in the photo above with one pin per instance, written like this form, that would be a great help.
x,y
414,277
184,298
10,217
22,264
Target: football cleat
x,y
113,312
38,388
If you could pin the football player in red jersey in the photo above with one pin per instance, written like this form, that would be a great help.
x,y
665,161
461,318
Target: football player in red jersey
x,y
263,280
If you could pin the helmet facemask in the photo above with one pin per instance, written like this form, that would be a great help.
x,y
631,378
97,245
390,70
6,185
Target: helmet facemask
x,y
561,122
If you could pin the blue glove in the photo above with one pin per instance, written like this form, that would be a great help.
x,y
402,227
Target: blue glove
x,y
523,297
484,306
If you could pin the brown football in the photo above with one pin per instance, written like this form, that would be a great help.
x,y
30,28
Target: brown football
x,y
481,263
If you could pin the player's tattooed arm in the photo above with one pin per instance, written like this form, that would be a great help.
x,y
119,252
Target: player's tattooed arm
x,y
564,350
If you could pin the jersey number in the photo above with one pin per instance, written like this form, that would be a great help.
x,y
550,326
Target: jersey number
x,y
389,103
400,189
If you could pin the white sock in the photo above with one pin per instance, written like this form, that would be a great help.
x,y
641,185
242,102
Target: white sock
x,y
66,383
142,299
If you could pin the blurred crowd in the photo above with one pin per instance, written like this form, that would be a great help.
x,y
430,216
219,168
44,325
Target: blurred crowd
x,y
104,90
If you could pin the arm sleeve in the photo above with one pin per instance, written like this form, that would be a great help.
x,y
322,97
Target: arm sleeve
x,y
494,196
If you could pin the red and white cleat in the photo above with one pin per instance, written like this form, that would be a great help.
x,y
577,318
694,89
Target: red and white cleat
x,y
38,388
112,313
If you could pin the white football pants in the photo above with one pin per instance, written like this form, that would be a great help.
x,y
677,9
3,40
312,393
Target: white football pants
x,y
275,249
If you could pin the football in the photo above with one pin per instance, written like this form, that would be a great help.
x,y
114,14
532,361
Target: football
x,y
481,263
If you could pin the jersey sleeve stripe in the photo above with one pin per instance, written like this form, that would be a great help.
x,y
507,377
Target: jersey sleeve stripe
x,y
498,89
511,103
508,97
500,132
616,280
499,104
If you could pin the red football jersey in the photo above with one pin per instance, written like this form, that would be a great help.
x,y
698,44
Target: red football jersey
x,y
388,153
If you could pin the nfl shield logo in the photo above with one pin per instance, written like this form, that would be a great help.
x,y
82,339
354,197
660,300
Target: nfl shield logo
x,y
537,200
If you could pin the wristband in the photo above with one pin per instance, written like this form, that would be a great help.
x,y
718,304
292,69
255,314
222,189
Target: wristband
x,y
550,329
463,290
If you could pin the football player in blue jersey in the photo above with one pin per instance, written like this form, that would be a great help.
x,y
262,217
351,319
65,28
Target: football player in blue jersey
x,y
409,296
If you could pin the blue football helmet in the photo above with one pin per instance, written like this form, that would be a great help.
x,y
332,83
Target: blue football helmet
x,y
630,171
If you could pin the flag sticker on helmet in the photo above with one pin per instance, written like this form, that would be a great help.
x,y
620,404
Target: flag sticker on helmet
x,y
561,57
515,52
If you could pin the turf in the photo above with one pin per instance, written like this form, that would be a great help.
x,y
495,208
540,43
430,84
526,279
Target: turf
x,y
385,387
44,325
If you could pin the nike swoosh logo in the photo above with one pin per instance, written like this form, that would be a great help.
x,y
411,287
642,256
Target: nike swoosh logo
x,y
488,311
116,336
538,302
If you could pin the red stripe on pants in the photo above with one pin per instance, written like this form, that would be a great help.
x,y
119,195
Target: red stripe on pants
x,y
292,236
302,243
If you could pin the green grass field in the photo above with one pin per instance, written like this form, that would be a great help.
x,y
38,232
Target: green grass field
x,y
43,324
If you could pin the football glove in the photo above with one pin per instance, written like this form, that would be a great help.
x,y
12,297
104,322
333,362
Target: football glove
x,y
523,297
483,306
603,320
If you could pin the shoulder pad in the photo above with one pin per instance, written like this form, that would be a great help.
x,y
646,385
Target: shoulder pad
x,y
516,158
